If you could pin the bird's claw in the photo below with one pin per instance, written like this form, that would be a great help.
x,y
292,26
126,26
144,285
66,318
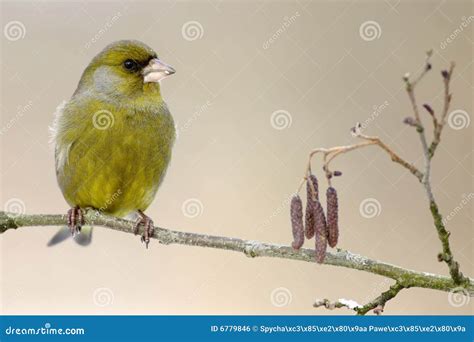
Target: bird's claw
x,y
75,220
148,228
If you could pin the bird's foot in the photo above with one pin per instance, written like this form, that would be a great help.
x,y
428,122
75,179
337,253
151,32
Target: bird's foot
x,y
75,220
148,228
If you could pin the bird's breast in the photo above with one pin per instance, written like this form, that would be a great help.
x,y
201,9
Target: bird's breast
x,y
119,169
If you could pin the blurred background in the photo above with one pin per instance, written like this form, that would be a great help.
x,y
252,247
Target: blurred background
x,y
258,85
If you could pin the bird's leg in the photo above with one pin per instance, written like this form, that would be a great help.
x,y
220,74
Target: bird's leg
x,y
148,228
75,220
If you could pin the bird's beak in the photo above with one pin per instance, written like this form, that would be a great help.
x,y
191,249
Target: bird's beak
x,y
156,70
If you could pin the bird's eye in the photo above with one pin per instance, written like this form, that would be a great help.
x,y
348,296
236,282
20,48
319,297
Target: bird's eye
x,y
130,64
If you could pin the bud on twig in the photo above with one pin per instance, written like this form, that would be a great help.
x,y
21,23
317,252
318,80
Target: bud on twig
x,y
332,216
428,109
445,74
356,130
320,233
296,212
410,121
378,310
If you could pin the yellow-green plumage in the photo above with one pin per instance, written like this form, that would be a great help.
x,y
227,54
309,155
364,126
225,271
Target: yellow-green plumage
x,y
114,137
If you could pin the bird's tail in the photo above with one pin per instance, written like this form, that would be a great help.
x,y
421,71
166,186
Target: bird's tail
x,y
84,238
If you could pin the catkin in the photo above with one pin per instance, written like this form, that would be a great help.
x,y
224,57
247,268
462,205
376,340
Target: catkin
x,y
309,190
332,216
320,232
296,212
310,201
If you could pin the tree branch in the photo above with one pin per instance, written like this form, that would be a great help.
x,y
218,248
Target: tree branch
x,y
377,304
340,257
428,151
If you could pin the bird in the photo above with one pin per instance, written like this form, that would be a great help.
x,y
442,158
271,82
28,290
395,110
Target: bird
x,y
114,137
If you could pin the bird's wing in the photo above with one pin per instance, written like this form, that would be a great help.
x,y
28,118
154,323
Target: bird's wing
x,y
54,128
61,151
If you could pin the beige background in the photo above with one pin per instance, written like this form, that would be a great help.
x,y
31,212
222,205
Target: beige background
x,y
232,160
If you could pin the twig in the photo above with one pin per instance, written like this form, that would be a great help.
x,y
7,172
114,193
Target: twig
x,y
424,177
439,125
378,304
342,258
340,303
330,153
394,156
446,255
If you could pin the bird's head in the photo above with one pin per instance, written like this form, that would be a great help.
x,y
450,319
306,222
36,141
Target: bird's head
x,y
125,68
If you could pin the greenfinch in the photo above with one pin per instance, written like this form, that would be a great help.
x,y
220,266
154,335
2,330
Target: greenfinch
x,y
113,138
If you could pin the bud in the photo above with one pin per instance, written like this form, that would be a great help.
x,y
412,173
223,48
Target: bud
x,y
337,173
332,216
320,233
296,212
410,121
428,109
445,74
356,130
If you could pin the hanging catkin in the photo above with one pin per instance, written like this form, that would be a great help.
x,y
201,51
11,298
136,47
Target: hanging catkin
x,y
296,212
311,196
320,232
332,216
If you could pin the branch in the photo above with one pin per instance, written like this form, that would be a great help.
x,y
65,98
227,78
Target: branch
x,y
340,257
377,304
330,153
446,255
439,125
340,303
394,156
